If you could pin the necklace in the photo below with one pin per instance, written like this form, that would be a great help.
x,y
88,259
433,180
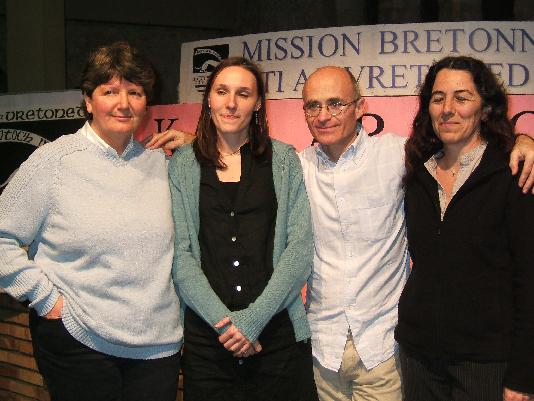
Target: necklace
x,y
452,171
235,152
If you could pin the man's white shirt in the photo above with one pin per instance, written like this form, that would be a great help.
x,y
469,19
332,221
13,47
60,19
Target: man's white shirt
x,y
361,258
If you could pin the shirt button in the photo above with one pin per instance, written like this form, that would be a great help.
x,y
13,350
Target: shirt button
x,y
236,263
234,239
232,213
238,288
241,362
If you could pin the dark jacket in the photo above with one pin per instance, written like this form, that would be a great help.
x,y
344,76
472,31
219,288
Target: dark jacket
x,y
470,295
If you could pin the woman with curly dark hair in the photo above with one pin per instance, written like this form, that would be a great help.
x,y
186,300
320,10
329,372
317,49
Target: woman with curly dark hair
x,y
466,315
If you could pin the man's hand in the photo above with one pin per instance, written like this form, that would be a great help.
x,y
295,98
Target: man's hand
x,y
168,140
511,395
523,150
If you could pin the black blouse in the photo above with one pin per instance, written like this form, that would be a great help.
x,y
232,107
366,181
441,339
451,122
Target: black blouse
x,y
237,223
236,237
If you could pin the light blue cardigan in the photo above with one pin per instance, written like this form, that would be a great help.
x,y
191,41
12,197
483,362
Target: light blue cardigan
x,y
292,253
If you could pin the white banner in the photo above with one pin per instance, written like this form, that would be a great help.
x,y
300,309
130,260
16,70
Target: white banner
x,y
40,106
388,60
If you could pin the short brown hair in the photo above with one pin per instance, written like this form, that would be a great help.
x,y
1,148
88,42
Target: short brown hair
x,y
121,60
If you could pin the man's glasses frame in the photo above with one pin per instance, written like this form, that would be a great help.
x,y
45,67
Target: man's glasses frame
x,y
334,108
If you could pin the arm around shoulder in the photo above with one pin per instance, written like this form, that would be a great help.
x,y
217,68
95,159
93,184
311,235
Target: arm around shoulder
x,y
523,151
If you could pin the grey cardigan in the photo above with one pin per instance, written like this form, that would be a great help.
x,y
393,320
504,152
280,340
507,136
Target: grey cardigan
x,y
292,253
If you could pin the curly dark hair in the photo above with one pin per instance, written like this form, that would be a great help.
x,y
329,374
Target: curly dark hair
x,y
205,143
494,127
118,59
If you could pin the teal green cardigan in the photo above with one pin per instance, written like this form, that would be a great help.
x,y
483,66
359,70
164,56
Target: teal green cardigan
x,y
292,253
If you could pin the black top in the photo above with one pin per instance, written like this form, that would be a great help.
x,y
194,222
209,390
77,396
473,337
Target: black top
x,y
236,236
237,223
469,296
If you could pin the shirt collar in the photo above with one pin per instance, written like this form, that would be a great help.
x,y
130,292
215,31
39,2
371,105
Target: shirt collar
x,y
89,133
352,153
465,160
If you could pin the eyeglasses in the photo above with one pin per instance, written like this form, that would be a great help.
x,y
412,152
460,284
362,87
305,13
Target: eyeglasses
x,y
334,107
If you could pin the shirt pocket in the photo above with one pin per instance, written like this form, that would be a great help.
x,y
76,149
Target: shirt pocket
x,y
371,215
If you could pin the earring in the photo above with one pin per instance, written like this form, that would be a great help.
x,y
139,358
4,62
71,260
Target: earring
x,y
256,117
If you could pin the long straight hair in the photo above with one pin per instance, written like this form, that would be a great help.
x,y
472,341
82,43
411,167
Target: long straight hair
x,y
205,144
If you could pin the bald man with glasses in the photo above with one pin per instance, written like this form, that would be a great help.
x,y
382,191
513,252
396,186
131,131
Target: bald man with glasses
x,y
361,254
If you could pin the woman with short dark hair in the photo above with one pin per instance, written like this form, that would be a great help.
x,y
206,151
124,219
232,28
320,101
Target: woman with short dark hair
x,y
466,315
94,208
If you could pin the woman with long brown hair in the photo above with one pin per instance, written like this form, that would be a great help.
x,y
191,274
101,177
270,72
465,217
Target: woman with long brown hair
x,y
243,249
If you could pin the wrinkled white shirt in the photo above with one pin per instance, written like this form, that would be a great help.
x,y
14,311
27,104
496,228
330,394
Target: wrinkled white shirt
x,y
361,258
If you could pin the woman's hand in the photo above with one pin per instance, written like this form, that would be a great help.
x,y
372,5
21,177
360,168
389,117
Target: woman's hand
x,y
55,312
168,140
254,349
234,341
511,395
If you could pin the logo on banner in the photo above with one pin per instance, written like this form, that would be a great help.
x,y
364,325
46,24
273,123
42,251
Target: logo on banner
x,y
205,59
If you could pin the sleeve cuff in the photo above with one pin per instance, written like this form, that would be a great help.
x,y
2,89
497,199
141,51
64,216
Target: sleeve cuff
x,y
247,325
45,305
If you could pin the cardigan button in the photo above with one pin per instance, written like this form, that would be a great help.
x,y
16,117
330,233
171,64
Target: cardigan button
x,y
232,213
238,288
234,238
235,263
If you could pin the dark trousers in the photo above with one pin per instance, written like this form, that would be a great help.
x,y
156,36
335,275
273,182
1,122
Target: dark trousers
x,y
283,377
430,379
74,372
282,371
